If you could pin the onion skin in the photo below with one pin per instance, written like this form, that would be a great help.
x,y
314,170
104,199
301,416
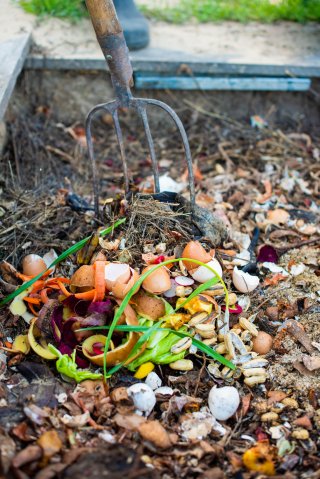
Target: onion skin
x,y
195,250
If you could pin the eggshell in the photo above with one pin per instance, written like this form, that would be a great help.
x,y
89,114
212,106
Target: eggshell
x,y
223,402
83,279
244,282
33,264
116,273
195,250
203,274
144,399
120,289
157,282
153,381
148,306
262,343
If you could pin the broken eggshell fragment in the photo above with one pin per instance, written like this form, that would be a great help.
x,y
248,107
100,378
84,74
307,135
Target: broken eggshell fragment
x,y
203,274
194,250
33,264
143,397
120,278
244,282
83,279
157,282
148,306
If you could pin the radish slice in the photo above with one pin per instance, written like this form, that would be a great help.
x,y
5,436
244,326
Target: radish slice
x,y
170,293
184,281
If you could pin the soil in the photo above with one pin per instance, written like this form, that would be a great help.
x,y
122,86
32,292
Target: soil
x,y
46,202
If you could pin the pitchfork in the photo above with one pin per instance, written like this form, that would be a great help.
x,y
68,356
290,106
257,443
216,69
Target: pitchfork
x,y
113,45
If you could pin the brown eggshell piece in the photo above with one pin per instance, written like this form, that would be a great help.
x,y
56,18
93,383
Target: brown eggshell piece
x,y
116,273
119,290
33,264
83,279
195,250
157,282
148,306
262,343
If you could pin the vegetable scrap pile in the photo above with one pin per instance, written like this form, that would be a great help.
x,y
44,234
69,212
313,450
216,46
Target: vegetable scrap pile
x,y
191,358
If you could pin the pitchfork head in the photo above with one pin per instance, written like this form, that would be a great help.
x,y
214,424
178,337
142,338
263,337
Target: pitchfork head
x,y
114,48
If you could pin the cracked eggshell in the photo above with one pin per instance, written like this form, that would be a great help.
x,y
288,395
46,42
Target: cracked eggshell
x,y
147,306
244,282
116,273
223,402
195,250
33,264
153,381
203,274
120,289
157,282
83,279
144,399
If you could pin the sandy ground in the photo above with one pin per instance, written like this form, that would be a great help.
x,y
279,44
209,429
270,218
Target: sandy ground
x,y
287,43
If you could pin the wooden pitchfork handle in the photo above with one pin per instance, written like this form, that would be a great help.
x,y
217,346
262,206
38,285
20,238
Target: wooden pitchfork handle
x,y
112,42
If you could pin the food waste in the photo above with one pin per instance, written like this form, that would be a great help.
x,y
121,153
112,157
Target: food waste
x,y
110,314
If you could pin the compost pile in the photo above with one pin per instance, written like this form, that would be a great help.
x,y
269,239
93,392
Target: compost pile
x,y
143,343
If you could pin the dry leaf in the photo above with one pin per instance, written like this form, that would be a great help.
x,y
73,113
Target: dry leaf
x,y
50,442
27,455
130,421
275,396
154,432
278,216
274,279
7,452
311,362
75,421
268,193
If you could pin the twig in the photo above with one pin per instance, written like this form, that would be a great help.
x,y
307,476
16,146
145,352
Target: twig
x,y
59,152
298,333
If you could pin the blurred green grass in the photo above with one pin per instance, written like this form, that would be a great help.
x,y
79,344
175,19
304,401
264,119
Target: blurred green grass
x,y
200,10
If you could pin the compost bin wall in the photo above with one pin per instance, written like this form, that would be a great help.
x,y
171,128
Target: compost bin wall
x,y
71,94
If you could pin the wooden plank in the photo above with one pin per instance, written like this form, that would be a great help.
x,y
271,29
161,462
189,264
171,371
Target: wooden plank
x,y
13,53
157,82
173,63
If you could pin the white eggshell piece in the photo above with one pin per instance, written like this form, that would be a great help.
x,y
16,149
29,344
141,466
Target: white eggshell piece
x,y
223,402
244,282
49,258
164,391
203,274
242,258
143,397
153,380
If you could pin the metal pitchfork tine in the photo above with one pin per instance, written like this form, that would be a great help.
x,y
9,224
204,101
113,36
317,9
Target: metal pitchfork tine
x,y
113,45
